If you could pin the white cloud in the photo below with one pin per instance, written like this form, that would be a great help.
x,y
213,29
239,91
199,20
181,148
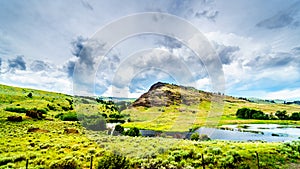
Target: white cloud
x,y
285,94
124,92
54,80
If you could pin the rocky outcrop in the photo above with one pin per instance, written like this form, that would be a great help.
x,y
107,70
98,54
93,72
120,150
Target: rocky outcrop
x,y
164,94
37,130
14,118
71,131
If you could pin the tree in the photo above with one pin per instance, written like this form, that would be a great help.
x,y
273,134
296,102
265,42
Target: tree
x,y
295,116
282,115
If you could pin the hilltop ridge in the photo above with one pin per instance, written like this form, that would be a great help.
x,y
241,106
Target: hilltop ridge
x,y
165,94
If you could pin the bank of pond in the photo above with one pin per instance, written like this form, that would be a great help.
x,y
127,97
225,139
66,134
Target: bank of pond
x,y
238,132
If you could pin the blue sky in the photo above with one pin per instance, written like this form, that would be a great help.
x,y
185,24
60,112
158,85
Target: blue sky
x,y
256,41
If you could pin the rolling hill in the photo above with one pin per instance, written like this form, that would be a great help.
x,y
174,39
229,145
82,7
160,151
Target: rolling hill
x,y
170,107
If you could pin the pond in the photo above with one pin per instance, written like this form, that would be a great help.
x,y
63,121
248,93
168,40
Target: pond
x,y
253,132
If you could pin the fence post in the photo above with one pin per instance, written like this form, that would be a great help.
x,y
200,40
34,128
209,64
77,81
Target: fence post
x,y
257,157
203,163
27,163
91,166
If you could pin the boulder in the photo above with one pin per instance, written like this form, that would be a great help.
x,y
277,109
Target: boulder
x,y
71,131
37,130
14,118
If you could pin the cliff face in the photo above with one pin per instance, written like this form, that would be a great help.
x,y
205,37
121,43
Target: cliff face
x,y
164,94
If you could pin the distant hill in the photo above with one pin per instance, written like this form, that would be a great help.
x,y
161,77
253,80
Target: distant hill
x,y
164,94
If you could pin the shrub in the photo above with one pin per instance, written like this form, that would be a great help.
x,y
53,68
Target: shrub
x,y
195,136
67,163
246,113
132,132
113,161
16,109
119,129
116,115
204,137
51,107
70,116
4,161
29,95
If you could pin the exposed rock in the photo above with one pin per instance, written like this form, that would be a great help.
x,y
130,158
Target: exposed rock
x,y
71,131
34,114
14,118
164,94
37,130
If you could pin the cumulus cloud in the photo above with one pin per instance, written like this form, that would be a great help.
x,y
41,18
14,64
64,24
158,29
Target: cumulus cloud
x,y
275,60
17,63
289,16
0,64
284,94
39,65
226,53
54,80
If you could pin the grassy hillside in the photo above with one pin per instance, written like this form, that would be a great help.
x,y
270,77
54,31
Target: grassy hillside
x,y
50,142
177,108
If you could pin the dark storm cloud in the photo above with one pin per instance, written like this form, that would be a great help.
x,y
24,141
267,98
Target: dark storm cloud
x,y
283,18
81,50
276,60
78,45
39,65
69,67
296,51
17,63
226,53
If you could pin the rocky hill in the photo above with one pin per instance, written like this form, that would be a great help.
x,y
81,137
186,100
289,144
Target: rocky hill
x,y
164,94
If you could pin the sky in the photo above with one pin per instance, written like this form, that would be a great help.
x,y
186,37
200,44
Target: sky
x,y
59,45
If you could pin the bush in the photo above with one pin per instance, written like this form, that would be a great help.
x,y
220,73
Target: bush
x,y
116,115
132,132
51,107
204,137
195,136
113,161
119,129
70,116
67,163
16,109
4,161
246,113
29,95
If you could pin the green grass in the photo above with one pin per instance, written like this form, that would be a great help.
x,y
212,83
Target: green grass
x,y
183,117
44,149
